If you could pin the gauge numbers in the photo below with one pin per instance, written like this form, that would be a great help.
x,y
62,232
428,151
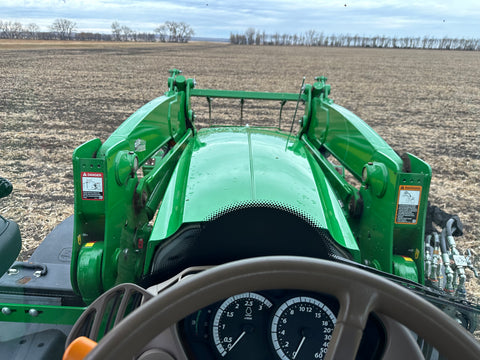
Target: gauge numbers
x,y
240,325
302,328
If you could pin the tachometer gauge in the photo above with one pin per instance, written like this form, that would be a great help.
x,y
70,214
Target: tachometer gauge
x,y
302,328
240,327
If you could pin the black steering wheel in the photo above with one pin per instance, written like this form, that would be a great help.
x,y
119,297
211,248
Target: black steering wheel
x,y
358,292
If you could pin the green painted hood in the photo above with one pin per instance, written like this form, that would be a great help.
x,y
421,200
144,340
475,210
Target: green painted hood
x,y
224,168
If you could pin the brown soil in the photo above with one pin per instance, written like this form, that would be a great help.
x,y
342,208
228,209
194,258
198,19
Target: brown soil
x,y
55,96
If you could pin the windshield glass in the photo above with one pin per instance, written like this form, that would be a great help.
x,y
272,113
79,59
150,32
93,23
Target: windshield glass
x,y
76,71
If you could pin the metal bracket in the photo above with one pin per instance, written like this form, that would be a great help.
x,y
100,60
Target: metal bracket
x,y
40,269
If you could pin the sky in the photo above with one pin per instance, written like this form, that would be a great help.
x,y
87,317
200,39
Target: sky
x,y
217,19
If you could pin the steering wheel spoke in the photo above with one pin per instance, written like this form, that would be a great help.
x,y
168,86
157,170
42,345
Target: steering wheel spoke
x,y
344,343
356,304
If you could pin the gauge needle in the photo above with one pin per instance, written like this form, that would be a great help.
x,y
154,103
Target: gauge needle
x,y
238,339
298,348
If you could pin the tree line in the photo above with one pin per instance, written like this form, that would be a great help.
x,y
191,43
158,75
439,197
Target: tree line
x,y
65,29
314,38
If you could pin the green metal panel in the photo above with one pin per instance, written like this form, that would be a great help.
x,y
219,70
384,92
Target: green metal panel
x,y
89,267
88,220
408,231
405,267
348,137
331,129
41,314
227,167
155,123
231,166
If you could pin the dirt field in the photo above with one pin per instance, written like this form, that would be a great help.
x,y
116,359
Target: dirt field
x,y
55,96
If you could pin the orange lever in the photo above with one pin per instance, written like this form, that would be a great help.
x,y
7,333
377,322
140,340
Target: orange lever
x,y
79,348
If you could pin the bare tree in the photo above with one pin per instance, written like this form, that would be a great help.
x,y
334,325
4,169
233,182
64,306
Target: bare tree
x,y
276,39
348,40
425,42
264,38
471,44
172,31
32,31
11,30
63,28
310,37
126,33
116,31
185,32
295,39
161,31
17,30
176,32
249,34
325,41
258,38
334,40
431,43
356,40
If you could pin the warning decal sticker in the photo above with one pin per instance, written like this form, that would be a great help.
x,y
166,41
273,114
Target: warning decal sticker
x,y
408,204
92,186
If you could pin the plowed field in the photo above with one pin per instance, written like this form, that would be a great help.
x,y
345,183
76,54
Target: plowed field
x,y
55,96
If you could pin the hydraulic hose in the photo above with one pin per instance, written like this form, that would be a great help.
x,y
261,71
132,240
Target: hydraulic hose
x,y
436,262
450,228
460,262
446,262
443,241
428,256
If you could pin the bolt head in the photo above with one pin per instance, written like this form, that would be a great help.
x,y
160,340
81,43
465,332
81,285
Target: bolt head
x,y
6,311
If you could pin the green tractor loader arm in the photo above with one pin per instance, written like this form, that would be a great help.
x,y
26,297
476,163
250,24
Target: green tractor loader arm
x,y
118,186
387,213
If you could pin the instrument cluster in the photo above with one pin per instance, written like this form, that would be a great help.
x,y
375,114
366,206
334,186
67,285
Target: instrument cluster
x,y
273,324
263,325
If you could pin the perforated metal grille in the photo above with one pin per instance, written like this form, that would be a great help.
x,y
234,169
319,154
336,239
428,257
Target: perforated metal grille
x,y
265,204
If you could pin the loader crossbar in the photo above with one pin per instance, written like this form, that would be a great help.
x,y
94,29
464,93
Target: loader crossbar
x,y
231,94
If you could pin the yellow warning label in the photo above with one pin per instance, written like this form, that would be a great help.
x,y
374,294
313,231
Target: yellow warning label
x,y
408,203
89,244
92,186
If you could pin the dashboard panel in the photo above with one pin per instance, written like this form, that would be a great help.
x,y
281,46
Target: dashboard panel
x,y
273,324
